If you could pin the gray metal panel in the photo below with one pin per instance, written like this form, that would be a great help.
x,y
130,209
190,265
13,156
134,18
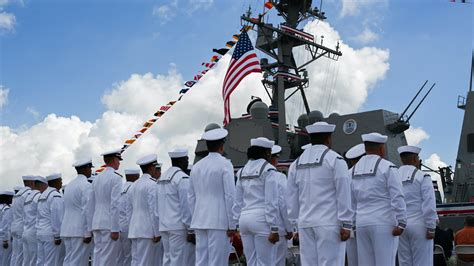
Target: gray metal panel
x,y
464,171
367,122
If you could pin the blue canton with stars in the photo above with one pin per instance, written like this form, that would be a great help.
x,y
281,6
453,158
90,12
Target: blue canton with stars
x,y
243,46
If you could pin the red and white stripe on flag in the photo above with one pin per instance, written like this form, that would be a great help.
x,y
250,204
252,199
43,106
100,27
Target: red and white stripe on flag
x,y
244,61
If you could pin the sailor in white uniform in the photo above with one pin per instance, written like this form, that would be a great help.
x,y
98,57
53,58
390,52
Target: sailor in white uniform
x,y
103,210
318,197
77,239
286,228
30,245
18,222
353,155
380,205
5,223
416,243
211,196
144,223
256,204
48,223
125,254
173,209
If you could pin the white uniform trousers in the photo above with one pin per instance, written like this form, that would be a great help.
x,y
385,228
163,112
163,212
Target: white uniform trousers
x,y
321,246
175,248
30,248
212,247
125,254
414,249
17,250
144,252
190,254
281,251
48,254
6,255
376,245
105,249
77,252
351,250
158,250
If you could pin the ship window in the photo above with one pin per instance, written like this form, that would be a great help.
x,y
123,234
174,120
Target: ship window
x,y
470,142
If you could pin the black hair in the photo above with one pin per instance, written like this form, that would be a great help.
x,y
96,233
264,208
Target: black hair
x,y
369,145
6,199
214,145
319,138
469,221
255,153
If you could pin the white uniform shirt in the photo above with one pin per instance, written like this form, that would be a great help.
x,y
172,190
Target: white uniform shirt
x,y
31,211
419,196
142,196
76,198
103,207
318,189
285,225
211,193
377,193
17,210
125,213
50,213
257,190
173,207
5,222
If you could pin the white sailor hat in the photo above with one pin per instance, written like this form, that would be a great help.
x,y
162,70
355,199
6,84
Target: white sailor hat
x,y
178,153
117,153
6,193
82,162
17,188
131,172
215,134
276,149
408,149
304,147
356,151
54,176
148,159
28,178
374,137
320,127
262,142
41,179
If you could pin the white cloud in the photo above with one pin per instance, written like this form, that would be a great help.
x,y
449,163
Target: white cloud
x,y
433,162
3,96
166,12
7,21
415,135
366,36
200,4
353,7
54,143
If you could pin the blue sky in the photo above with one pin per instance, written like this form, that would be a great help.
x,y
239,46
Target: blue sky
x,y
63,55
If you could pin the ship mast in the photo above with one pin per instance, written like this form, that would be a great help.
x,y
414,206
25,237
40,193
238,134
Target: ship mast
x,y
278,42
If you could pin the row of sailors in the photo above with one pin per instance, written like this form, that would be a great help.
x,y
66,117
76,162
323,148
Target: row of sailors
x,y
375,208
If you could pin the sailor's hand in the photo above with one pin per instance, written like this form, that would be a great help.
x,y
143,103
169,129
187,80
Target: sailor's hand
x,y
156,239
57,241
5,244
191,238
87,240
430,234
397,231
296,237
289,235
345,234
273,238
114,236
230,233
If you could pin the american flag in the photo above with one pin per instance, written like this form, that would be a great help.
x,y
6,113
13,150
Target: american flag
x,y
244,61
